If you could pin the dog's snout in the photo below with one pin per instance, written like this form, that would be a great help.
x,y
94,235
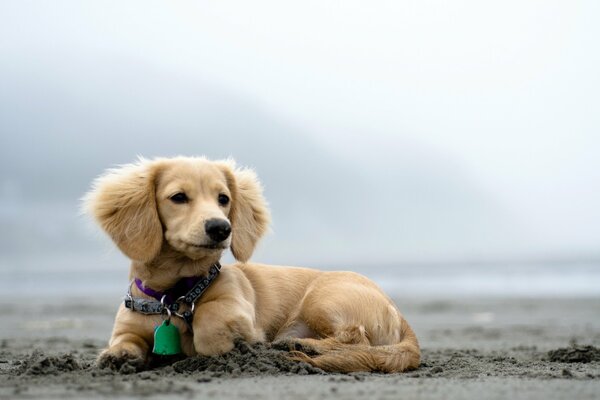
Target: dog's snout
x,y
217,229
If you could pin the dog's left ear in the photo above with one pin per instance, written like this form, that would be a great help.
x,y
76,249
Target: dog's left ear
x,y
249,215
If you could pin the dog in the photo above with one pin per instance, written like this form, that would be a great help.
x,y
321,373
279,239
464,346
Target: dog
x,y
174,218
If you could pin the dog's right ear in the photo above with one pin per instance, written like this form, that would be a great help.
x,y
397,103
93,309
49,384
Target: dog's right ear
x,y
123,202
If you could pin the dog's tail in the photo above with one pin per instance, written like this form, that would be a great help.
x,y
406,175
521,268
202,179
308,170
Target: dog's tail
x,y
351,351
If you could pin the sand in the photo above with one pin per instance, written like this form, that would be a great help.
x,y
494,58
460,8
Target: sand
x,y
472,348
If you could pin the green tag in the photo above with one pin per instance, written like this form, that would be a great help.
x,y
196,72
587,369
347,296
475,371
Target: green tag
x,y
166,339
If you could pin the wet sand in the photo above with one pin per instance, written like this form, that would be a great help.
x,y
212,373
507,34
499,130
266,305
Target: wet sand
x,y
472,348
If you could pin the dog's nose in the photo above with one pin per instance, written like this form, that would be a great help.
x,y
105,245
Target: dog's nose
x,y
217,229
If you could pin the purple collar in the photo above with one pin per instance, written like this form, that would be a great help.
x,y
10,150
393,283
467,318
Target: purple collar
x,y
182,288
171,295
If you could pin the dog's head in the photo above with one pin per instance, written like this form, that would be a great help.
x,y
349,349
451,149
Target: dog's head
x,y
198,207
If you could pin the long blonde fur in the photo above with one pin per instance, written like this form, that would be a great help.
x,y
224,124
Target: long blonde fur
x,y
122,201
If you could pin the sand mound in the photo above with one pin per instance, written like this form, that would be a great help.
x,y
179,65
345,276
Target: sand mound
x,y
575,354
40,364
245,359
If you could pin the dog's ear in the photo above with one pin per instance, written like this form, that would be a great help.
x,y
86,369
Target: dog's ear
x,y
249,214
123,202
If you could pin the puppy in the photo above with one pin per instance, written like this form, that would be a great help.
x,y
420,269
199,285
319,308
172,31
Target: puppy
x,y
174,217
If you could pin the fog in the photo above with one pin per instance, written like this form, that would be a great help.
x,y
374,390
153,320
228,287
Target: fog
x,y
384,133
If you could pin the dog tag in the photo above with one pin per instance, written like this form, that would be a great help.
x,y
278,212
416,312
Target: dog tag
x,y
167,341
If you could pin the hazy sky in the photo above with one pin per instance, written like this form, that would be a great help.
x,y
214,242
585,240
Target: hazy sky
x,y
491,105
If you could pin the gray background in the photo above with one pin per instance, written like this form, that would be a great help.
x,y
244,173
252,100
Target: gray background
x,y
433,146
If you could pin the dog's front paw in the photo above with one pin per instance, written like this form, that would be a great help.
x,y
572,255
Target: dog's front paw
x,y
121,360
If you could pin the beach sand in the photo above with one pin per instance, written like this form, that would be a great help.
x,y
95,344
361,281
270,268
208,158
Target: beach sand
x,y
476,348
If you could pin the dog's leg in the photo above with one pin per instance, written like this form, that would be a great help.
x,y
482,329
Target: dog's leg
x,y
130,342
313,346
289,338
358,355
125,349
217,324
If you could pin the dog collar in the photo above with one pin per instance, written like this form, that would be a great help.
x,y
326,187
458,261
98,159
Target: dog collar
x,y
169,296
185,292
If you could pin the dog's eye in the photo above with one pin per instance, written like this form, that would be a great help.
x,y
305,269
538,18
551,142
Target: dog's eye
x,y
179,198
223,199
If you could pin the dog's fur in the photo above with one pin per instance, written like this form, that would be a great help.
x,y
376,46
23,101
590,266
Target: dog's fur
x,y
337,321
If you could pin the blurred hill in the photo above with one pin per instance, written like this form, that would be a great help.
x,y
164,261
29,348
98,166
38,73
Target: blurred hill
x,y
325,208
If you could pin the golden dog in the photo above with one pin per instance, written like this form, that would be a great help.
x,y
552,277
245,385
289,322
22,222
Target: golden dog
x,y
174,218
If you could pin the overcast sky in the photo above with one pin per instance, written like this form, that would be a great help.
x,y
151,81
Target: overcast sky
x,y
490,111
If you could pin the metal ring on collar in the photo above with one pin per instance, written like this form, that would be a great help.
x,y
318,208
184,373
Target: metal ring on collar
x,y
164,307
180,302
167,313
